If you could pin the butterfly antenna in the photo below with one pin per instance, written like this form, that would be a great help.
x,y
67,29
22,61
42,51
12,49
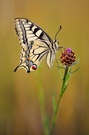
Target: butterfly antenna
x,y
58,32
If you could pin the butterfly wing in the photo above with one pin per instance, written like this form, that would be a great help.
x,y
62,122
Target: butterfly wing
x,y
35,44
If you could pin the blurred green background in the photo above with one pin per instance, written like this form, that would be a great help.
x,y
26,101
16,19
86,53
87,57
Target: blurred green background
x,y
19,103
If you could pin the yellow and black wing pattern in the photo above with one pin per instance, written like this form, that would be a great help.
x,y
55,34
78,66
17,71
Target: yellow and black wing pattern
x,y
35,44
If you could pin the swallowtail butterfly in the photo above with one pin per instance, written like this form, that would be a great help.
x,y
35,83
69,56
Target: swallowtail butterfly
x,y
35,44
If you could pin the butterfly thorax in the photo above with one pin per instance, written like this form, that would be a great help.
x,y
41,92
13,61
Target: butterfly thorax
x,y
55,45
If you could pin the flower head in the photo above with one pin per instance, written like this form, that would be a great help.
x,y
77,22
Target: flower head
x,y
68,57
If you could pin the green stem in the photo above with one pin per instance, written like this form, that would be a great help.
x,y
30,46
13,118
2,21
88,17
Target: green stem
x,y
66,71
63,88
64,84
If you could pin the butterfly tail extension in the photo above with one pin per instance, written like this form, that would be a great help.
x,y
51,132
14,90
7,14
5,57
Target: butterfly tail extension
x,y
22,66
16,68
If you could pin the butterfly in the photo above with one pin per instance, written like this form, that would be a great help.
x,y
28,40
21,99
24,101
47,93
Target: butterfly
x,y
35,45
